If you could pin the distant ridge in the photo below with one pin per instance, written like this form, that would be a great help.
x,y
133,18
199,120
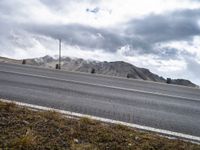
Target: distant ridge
x,y
117,68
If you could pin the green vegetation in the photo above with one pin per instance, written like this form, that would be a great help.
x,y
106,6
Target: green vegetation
x,y
21,128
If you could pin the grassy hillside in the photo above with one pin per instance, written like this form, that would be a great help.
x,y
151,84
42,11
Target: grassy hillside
x,y
21,128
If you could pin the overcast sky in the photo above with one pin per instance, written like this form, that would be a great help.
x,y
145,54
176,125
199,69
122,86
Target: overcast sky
x,y
161,35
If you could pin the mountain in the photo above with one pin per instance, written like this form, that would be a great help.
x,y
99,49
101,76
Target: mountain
x,y
9,60
117,68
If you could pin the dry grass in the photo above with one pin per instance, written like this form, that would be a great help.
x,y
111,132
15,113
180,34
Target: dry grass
x,y
21,128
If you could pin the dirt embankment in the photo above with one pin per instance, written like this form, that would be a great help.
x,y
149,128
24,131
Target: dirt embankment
x,y
21,128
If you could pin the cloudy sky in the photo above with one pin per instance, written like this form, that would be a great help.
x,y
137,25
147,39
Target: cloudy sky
x,y
161,35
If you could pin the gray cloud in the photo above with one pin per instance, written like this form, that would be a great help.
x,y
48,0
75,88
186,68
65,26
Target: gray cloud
x,y
174,26
139,34
9,9
80,35
88,37
59,4
193,69
94,10
142,35
167,53
5,30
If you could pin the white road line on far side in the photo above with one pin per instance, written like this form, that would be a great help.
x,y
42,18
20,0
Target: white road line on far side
x,y
97,75
186,137
99,85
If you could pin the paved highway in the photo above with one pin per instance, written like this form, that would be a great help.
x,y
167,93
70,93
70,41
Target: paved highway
x,y
161,106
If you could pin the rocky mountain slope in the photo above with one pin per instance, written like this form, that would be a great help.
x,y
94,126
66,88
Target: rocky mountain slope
x,y
118,68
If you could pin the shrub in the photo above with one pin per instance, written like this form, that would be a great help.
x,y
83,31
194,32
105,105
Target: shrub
x,y
23,61
92,71
169,80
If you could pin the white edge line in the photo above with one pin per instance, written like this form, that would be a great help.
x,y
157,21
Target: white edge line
x,y
99,85
97,75
186,137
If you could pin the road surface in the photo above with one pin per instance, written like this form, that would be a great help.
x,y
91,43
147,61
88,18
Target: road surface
x,y
156,105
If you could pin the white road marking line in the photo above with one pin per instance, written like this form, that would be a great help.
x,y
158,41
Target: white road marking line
x,y
186,137
100,85
96,75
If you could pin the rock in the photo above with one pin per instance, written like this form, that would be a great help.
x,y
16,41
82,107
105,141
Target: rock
x,y
25,122
76,141
136,138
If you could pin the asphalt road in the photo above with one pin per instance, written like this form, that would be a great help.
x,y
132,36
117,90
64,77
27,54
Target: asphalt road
x,y
161,106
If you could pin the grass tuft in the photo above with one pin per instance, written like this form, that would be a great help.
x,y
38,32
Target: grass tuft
x,y
88,121
8,106
26,141
21,128
51,114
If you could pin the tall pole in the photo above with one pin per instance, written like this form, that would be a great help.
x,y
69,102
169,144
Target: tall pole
x,y
59,53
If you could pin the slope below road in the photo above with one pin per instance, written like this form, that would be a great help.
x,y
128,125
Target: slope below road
x,y
49,129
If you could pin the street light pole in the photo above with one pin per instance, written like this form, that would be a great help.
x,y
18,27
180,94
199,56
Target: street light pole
x,y
59,54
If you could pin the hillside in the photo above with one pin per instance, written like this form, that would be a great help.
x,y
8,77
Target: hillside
x,y
118,68
52,130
